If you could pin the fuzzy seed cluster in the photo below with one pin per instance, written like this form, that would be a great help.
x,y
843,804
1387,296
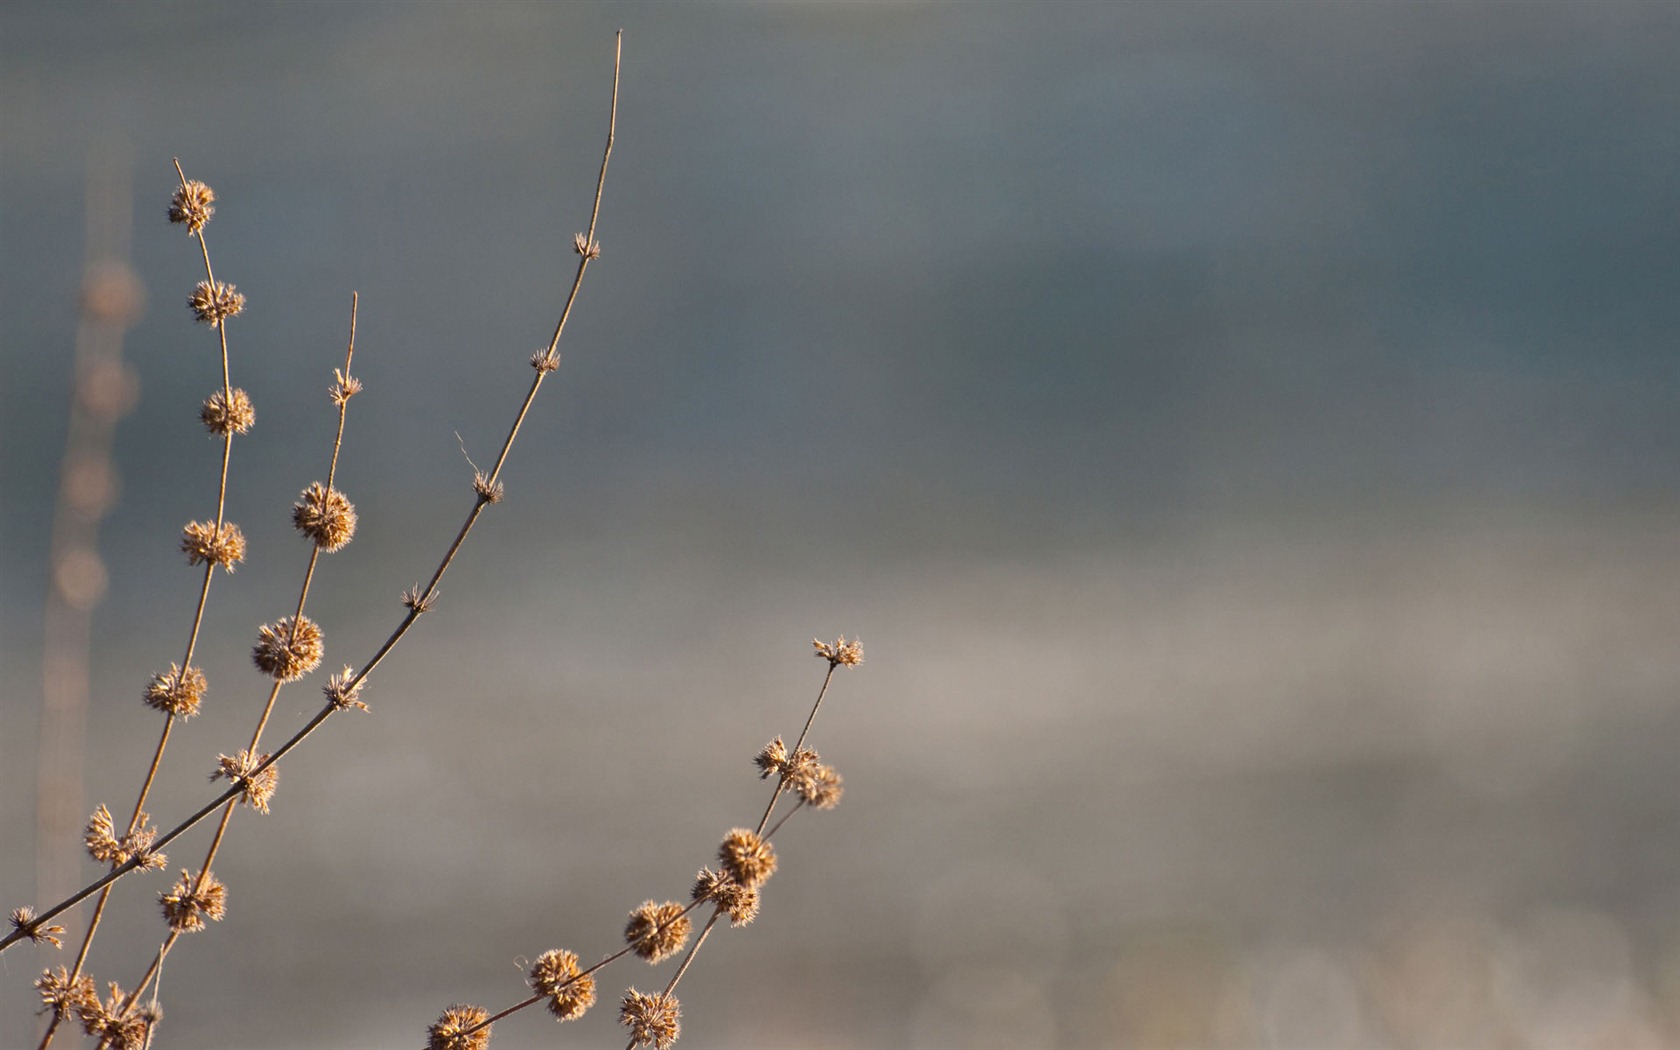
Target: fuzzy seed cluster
x,y
192,205
658,931
104,846
24,921
286,652
654,1020
325,516
215,302
223,414
177,692
739,902
567,991
241,769
746,858
192,900
115,1024
204,543
458,1029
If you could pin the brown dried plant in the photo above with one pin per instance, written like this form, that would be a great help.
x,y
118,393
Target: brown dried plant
x,y
293,646
655,931
285,650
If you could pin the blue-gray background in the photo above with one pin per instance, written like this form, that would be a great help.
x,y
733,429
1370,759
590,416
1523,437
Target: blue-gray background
x,y
1242,435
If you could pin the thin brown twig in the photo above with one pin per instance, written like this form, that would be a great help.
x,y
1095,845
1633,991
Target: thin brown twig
x,y
192,634
361,674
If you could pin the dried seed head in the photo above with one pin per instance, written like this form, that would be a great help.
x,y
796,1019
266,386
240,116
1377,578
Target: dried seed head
x,y
215,303
192,204
325,516
545,361
841,653
489,491
653,1020
344,388
190,901
285,653
222,416
114,1025
24,921
822,788
771,759
418,602
586,246
341,693
457,1029
746,858
63,995
658,931
202,542
738,901
176,692
556,977
241,769
104,846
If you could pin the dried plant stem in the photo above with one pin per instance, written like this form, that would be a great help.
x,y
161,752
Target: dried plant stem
x,y
192,637
581,974
803,733
417,606
274,690
836,655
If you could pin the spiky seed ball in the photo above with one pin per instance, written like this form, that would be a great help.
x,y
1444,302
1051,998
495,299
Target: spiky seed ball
x,y
190,901
841,653
104,846
457,1029
192,204
285,655
203,543
653,1020
821,788
240,769
176,692
116,1026
341,693
24,921
658,931
739,902
556,977
62,995
325,516
222,416
746,858
215,303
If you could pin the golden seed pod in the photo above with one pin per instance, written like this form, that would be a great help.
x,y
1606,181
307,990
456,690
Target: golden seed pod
x,y
191,901
241,769
556,977
192,205
24,921
203,543
841,653
177,692
739,902
658,931
457,1029
215,303
746,858
62,995
325,516
653,1020
222,416
286,654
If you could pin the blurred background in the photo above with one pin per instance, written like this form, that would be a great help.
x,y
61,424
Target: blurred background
x,y
1242,436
